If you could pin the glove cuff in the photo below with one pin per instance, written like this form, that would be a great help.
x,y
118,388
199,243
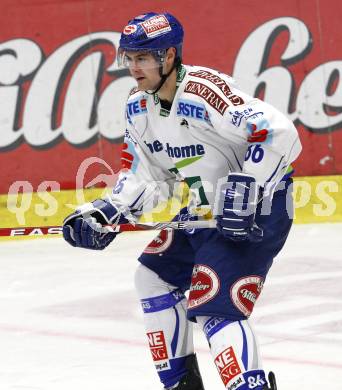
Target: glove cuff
x,y
241,176
241,189
109,213
103,210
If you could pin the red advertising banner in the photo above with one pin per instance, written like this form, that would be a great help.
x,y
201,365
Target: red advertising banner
x,y
62,96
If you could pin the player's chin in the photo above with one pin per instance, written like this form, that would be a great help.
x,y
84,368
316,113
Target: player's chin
x,y
145,85
141,81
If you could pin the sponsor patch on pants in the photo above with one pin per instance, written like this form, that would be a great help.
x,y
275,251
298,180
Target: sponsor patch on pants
x,y
244,293
205,284
160,243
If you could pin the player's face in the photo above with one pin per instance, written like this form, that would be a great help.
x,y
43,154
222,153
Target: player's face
x,y
144,68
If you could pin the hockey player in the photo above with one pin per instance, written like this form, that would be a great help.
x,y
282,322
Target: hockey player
x,y
192,124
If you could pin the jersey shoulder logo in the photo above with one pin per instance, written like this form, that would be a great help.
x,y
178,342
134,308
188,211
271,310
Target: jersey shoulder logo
x,y
208,94
135,107
220,83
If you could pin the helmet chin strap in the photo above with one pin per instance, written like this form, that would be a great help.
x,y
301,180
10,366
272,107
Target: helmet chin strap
x,y
164,77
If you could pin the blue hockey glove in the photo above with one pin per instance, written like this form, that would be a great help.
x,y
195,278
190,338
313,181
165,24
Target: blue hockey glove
x,y
237,221
85,228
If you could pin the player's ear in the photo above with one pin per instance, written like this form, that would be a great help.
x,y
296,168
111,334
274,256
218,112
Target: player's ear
x,y
170,55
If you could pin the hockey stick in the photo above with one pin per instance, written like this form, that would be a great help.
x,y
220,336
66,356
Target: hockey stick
x,y
53,230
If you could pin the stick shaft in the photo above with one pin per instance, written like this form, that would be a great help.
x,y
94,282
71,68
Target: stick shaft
x,y
53,230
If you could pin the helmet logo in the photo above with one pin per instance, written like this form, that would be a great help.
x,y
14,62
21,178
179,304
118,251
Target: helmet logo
x,y
156,25
130,29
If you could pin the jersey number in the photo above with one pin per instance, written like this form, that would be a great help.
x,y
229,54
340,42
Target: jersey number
x,y
255,152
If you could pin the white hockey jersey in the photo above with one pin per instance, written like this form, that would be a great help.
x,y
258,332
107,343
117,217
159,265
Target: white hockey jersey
x,y
212,129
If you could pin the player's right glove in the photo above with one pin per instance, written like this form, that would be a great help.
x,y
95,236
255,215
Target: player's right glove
x,y
237,221
85,228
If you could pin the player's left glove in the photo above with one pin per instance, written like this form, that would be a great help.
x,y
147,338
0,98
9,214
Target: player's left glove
x,y
85,228
237,221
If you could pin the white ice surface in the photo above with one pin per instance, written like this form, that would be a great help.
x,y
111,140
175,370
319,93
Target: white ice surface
x,y
70,320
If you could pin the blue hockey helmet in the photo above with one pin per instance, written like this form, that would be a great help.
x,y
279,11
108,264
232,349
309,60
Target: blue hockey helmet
x,y
154,33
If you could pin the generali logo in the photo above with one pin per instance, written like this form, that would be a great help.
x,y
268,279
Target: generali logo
x,y
77,92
